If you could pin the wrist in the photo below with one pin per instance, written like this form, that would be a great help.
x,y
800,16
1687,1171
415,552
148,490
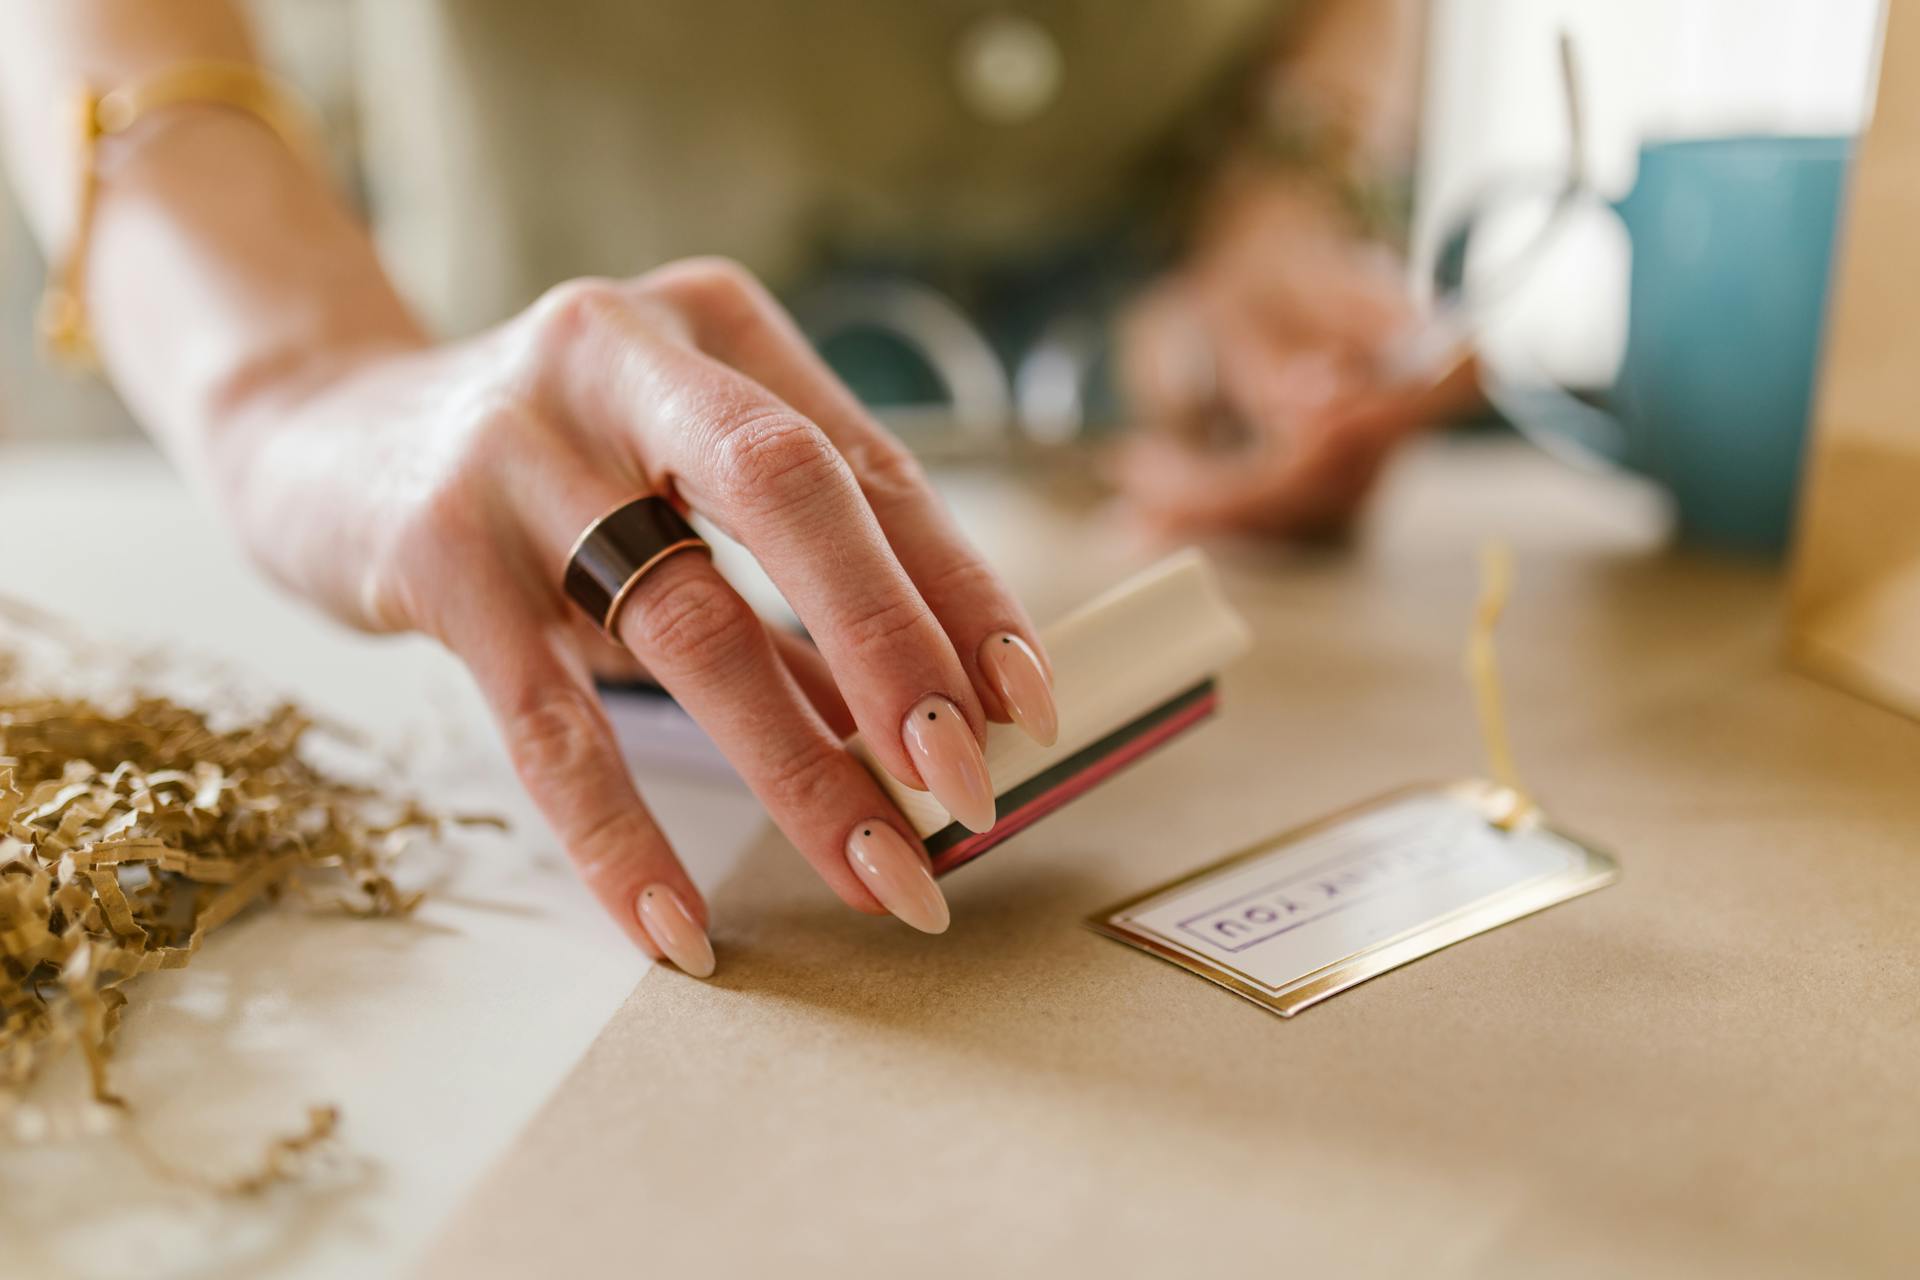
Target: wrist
x,y
1316,142
305,466
229,289
1258,212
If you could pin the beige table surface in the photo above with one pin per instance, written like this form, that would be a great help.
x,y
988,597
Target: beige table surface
x,y
1708,1068
1711,1068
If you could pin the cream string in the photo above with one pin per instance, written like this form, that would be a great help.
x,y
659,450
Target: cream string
x,y
1483,669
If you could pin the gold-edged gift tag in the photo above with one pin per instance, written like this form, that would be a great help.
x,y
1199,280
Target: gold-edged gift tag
x,y
1310,912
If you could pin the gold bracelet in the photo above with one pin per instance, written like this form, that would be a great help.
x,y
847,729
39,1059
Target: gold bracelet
x,y
65,334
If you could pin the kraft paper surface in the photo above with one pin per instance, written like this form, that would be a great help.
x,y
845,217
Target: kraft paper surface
x,y
1707,1069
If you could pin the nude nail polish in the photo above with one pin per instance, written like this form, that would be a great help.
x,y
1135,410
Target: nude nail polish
x,y
898,876
944,750
1014,670
674,930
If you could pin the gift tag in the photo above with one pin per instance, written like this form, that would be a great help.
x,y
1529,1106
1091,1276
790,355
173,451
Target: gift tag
x,y
1309,913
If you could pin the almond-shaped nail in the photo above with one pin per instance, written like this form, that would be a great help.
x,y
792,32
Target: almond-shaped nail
x,y
944,750
898,876
674,930
1014,670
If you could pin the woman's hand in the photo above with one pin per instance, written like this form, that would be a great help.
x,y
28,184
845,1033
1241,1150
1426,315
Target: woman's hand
x,y
1264,368
240,309
440,490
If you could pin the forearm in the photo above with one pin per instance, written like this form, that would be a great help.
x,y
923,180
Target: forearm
x,y
1357,62
224,277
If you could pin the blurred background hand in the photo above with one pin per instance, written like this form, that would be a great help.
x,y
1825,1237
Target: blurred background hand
x,y
1266,371
1262,369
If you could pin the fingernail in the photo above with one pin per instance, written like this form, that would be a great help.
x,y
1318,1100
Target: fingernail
x,y
674,930
1017,676
949,760
898,876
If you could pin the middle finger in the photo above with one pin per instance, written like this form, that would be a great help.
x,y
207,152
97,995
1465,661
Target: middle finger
x,y
742,325
710,650
769,477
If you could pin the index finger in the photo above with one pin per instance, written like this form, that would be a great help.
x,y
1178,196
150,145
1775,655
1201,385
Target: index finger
x,y
770,477
990,631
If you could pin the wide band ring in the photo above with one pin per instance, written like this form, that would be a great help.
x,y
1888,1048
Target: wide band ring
x,y
620,548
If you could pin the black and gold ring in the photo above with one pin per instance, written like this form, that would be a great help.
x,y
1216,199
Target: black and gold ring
x,y
618,549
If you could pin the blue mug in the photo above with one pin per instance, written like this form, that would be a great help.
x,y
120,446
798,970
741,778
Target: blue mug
x,y
1731,243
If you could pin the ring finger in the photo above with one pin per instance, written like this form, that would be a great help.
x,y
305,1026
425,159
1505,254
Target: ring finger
x,y
772,478
706,646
